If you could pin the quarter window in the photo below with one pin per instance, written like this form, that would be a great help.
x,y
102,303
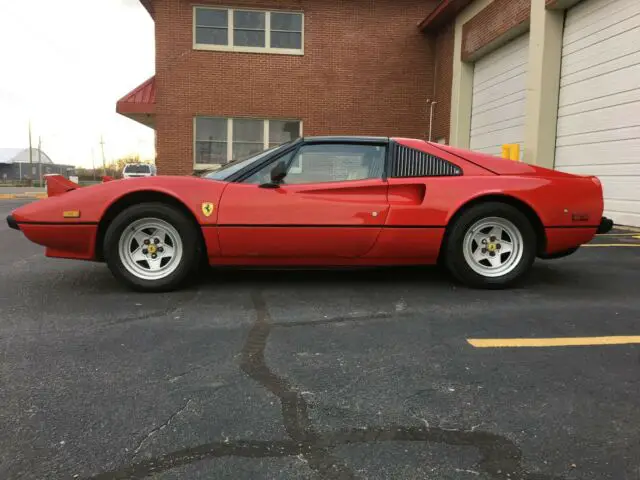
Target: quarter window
x,y
248,30
414,163
220,140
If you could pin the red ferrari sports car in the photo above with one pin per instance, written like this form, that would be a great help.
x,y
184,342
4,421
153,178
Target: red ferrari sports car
x,y
325,201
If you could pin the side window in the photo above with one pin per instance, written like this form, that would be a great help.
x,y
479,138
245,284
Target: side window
x,y
264,174
323,163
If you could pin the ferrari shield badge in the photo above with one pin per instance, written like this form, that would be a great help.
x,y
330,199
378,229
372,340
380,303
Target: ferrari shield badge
x,y
207,208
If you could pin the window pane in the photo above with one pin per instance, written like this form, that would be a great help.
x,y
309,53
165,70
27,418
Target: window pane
x,y
336,163
291,22
206,17
211,129
248,131
248,20
212,36
286,40
211,152
242,150
130,168
283,131
264,174
248,38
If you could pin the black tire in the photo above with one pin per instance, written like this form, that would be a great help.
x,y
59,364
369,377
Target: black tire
x,y
453,249
189,235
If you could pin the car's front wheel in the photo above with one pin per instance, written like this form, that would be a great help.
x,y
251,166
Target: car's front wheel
x,y
491,245
152,247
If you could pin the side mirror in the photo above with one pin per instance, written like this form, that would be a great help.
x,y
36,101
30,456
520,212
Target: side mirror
x,y
278,172
277,175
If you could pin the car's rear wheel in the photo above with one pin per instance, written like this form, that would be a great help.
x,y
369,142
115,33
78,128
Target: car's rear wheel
x,y
152,247
491,245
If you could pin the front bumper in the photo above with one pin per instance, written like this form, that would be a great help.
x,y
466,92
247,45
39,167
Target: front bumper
x,y
12,222
606,224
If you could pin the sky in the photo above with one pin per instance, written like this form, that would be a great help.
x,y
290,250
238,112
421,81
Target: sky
x,y
63,66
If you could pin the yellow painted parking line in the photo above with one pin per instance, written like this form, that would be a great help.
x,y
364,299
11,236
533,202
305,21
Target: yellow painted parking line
x,y
628,234
552,342
612,245
13,196
628,229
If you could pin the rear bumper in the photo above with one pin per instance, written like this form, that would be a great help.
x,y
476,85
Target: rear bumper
x,y
606,224
12,222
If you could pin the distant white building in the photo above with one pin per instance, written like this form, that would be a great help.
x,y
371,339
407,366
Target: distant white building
x,y
17,164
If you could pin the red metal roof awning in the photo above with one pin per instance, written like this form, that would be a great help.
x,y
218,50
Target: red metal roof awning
x,y
141,99
445,12
140,103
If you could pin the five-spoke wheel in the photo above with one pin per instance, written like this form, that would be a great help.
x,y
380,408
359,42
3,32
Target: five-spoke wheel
x,y
490,245
493,246
152,247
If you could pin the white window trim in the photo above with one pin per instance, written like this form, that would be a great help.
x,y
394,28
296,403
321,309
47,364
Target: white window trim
x,y
265,136
231,48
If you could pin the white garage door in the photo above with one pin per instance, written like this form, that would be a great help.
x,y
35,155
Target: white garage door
x,y
599,109
498,106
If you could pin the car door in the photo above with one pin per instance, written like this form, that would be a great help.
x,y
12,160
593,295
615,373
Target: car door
x,y
332,203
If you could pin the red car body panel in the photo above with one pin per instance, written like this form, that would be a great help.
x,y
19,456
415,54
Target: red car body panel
x,y
362,222
74,241
342,214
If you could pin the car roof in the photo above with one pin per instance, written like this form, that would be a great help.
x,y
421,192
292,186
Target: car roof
x,y
346,139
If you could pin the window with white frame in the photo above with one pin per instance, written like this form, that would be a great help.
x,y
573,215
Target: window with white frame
x,y
220,140
243,30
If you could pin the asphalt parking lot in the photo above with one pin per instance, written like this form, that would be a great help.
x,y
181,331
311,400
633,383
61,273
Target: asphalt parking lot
x,y
313,375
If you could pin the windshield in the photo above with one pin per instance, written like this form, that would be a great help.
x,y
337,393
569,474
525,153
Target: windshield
x,y
234,166
137,169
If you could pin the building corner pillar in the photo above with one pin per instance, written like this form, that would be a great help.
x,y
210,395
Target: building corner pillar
x,y
543,84
462,81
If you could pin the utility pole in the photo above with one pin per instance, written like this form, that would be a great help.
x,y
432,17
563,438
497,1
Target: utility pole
x,y
93,163
30,149
104,162
30,153
40,158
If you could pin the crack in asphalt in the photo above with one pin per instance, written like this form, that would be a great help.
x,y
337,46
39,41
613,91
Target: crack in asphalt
x,y
175,307
160,427
501,458
341,319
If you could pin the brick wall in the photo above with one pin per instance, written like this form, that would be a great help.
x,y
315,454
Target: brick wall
x,y
443,45
492,22
367,70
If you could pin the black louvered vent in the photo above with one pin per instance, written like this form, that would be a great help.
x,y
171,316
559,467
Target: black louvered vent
x,y
412,163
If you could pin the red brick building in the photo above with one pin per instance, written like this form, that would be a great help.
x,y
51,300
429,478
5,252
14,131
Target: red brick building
x,y
560,78
330,67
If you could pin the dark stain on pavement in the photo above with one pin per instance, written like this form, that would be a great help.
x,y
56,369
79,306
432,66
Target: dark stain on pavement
x,y
501,458
295,414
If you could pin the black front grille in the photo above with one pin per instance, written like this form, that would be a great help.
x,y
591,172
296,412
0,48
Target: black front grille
x,y
413,163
